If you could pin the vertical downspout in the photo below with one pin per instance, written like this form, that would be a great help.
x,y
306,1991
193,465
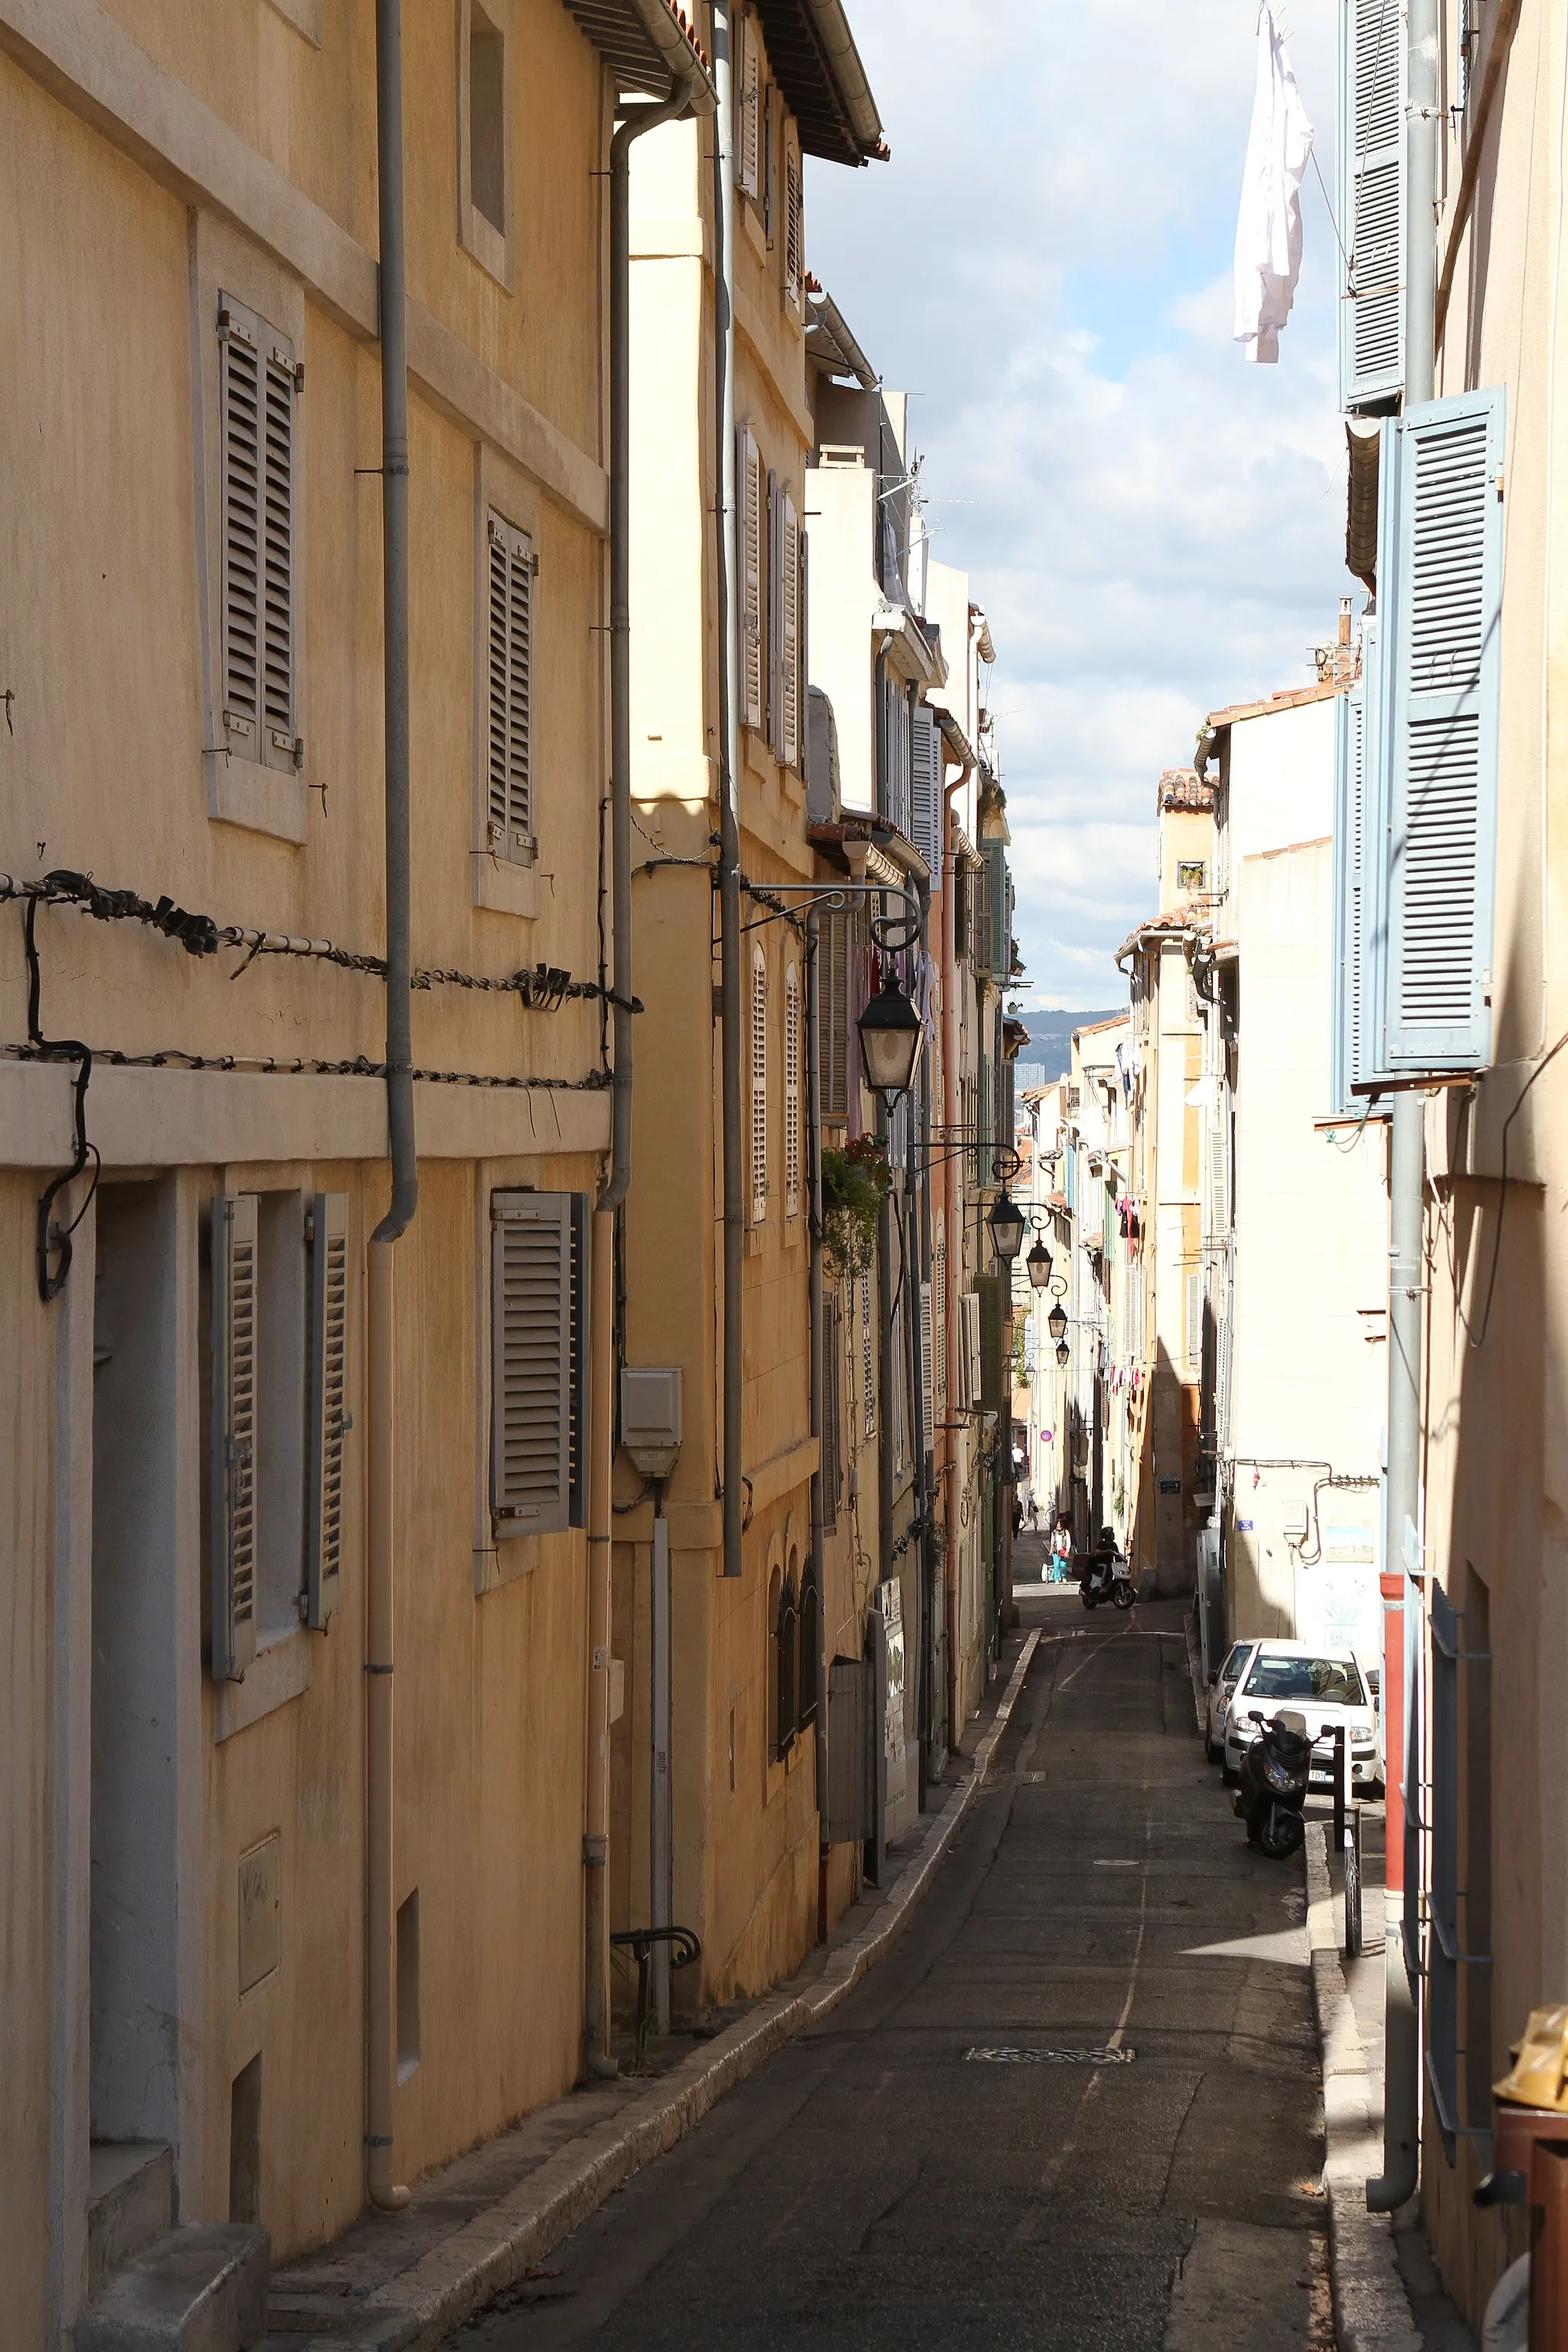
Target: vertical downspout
x,y
1401,2112
380,1397
954,1229
928,1455
729,773
914,1373
601,1402
818,1403
884,1367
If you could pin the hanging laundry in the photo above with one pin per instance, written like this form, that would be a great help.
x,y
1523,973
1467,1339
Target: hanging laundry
x,y
1269,226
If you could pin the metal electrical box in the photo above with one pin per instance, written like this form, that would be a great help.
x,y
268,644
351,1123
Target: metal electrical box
x,y
651,1417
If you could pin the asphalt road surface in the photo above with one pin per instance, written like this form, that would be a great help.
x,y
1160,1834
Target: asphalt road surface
x,y
1077,2106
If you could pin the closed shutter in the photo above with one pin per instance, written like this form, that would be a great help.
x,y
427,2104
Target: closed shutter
x,y
748,109
234,1419
537,1357
1438,735
939,1286
979,939
259,398
991,1296
963,896
794,247
999,949
867,1359
749,490
1219,1166
926,815
509,673
969,1378
326,1406
1351,771
1195,1321
833,1015
1371,200
928,1372
773,709
792,1093
985,1125
759,1087
789,633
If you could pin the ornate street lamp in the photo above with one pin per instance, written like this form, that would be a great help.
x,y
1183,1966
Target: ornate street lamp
x,y
1039,1265
1006,1223
891,1035
1056,1324
1063,1352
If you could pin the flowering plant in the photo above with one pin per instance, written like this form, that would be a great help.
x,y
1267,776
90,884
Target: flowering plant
x,y
855,1183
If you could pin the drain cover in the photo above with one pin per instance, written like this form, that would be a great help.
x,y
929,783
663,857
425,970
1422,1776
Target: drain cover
x,y
1008,2057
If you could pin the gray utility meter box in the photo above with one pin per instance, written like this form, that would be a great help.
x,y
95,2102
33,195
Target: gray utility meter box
x,y
650,1418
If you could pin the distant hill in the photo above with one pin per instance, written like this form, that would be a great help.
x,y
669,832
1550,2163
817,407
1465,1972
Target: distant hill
x,y
1050,1049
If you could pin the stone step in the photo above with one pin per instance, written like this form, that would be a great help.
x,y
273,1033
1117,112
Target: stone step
x,y
131,2205
201,2288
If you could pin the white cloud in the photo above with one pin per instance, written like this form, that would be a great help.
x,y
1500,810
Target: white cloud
x,y
1153,527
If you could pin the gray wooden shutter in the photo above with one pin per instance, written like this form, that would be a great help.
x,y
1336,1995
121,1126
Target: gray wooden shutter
x,y
234,1350
999,950
928,1372
748,108
833,1015
535,1314
1438,725
794,258
927,811
1371,200
259,400
508,668
326,1420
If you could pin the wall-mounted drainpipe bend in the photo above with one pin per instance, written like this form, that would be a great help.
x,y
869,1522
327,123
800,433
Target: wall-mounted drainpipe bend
x,y
601,1406
380,1400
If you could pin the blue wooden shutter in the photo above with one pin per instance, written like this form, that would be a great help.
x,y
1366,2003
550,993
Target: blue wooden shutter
x,y
1440,726
1371,200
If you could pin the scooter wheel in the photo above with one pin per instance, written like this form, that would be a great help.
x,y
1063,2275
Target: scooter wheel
x,y
1285,1833
1089,1602
1124,1596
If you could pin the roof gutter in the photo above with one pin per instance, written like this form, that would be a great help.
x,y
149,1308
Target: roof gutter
x,y
832,28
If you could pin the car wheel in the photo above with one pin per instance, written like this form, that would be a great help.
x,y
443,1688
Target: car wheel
x,y
1213,1751
1228,1779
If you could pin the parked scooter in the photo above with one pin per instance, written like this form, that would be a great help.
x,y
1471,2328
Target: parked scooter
x,y
1106,1577
1275,1771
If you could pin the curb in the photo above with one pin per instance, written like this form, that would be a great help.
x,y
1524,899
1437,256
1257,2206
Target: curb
x,y
1372,2309
492,2252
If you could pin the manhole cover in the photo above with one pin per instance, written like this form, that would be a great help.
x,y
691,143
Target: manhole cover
x,y
1008,2057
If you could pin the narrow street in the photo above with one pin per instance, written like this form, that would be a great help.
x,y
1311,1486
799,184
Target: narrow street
x,y
943,2163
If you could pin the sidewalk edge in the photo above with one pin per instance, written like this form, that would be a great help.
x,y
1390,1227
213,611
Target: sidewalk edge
x,y
1372,2309
497,2247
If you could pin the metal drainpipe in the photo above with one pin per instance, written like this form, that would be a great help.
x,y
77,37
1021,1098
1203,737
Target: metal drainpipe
x,y
953,1230
380,1397
927,1457
1400,2116
601,1405
730,1045
818,1404
884,1369
912,1369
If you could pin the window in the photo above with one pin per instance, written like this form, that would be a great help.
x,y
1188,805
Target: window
x,y
259,390
277,1345
1315,1682
896,753
1419,1000
539,1361
792,1093
1191,873
1371,201
809,1646
759,1086
749,495
747,70
782,1635
510,564
484,135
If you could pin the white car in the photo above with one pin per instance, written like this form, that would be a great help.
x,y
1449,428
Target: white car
x,y
1220,1693
1329,1687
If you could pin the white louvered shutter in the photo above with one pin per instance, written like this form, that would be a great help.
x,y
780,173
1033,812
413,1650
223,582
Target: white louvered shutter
x,y
258,403
774,708
971,1370
1371,200
833,1015
1195,1321
326,1406
793,254
748,108
789,633
939,1303
926,815
509,693
234,1417
1354,758
928,1371
535,1357
867,1357
749,490
1438,729
759,1087
792,1093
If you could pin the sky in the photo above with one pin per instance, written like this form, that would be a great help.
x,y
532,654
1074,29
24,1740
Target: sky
x,y
1154,525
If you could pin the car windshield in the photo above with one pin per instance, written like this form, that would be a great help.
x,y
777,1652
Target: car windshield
x,y
1328,1682
1231,1670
